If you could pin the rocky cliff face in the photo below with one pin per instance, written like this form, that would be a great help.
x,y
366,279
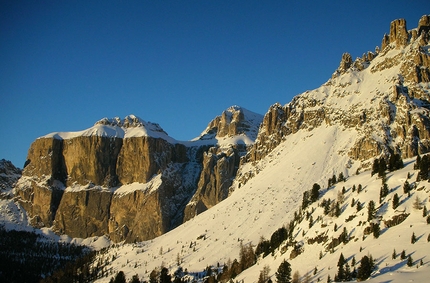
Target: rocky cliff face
x,y
383,96
77,182
235,130
9,176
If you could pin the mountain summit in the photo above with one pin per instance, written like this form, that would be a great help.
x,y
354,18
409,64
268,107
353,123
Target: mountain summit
x,y
89,179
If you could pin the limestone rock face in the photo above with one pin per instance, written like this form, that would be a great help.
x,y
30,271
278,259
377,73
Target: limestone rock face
x,y
219,169
344,65
83,213
127,178
424,24
142,157
233,122
91,159
398,33
45,159
40,198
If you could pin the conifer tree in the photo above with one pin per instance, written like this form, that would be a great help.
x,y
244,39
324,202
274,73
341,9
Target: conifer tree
x,y
410,262
382,168
403,255
395,201
340,276
375,166
413,238
365,269
120,277
406,187
371,211
376,230
283,274
424,211
424,168
315,192
394,255
359,206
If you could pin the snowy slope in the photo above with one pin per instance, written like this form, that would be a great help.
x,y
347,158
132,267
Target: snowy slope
x,y
269,201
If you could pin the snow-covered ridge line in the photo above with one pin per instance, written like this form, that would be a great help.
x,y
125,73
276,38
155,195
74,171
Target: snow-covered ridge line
x,y
132,126
129,127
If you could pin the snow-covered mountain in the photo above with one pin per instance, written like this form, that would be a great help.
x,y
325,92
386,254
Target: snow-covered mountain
x,y
84,183
374,107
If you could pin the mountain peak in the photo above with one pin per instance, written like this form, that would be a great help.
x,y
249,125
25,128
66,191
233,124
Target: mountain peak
x,y
234,121
130,126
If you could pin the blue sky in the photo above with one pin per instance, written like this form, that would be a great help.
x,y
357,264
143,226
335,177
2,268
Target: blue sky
x,y
66,64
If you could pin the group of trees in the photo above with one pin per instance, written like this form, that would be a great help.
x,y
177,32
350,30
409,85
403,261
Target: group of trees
x,y
423,164
30,255
344,272
379,166
311,196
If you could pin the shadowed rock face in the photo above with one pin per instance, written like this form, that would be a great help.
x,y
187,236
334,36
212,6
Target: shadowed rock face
x,y
83,213
219,169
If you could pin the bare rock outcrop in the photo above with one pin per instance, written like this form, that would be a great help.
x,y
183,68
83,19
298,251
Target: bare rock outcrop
x,y
84,212
217,175
9,176
142,157
399,33
395,121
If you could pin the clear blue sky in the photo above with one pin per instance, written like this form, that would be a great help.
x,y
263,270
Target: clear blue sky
x,y
66,64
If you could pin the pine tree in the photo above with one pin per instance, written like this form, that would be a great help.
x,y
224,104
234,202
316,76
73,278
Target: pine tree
x,y
359,188
382,168
120,277
315,192
359,206
371,211
424,211
340,276
413,238
164,276
395,201
365,269
376,230
394,255
406,187
424,168
337,210
283,274
403,255
375,167
410,262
